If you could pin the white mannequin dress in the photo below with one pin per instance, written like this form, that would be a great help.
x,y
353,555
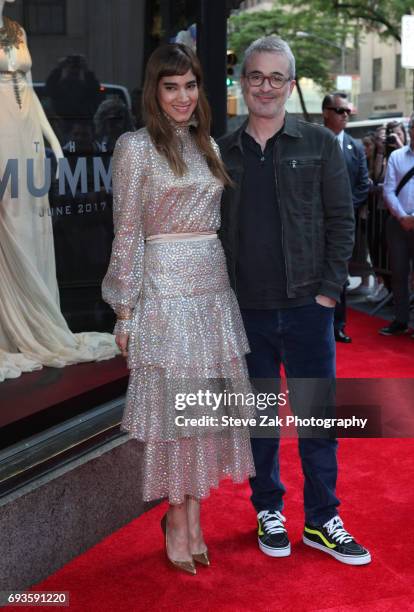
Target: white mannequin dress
x,y
33,331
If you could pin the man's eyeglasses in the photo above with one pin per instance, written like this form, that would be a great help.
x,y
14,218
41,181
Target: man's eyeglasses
x,y
339,110
276,81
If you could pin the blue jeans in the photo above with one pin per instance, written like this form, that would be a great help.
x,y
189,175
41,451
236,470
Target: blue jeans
x,y
302,339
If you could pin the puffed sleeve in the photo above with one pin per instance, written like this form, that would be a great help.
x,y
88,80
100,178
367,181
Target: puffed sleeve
x,y
122,282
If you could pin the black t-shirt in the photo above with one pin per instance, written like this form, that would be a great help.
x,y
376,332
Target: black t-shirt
x,y
261,280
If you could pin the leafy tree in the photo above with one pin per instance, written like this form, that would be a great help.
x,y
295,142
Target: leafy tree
x,y
314,54
382,16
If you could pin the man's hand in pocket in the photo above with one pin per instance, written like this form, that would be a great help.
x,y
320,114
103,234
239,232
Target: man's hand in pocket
x,y
326,301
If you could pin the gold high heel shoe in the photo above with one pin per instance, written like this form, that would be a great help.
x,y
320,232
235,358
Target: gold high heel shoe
x,y
202,558
185,566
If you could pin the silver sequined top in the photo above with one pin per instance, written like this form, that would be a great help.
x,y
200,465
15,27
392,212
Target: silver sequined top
x,y
149,199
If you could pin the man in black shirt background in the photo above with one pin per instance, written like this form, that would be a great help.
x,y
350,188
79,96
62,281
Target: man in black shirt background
x,y
287,230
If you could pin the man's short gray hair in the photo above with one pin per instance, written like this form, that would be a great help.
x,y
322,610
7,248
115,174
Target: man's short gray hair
x,y
270,44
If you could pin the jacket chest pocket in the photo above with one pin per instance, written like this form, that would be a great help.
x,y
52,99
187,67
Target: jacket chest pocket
x,y
303,177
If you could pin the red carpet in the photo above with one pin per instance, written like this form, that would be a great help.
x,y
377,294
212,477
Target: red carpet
x,y
371,355
126,571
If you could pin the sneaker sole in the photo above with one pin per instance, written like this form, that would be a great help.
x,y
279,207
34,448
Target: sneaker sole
x,y
274,552
347,559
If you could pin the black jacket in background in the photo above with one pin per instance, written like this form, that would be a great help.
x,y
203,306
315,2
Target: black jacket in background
x,y
356,163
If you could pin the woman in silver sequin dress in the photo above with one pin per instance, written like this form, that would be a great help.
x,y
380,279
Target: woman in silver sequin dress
x,y
178,320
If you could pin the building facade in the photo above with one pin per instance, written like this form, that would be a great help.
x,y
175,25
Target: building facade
x,y
386,87
261,5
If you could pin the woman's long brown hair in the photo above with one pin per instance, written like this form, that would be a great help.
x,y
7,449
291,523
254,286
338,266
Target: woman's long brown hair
x,y
169,60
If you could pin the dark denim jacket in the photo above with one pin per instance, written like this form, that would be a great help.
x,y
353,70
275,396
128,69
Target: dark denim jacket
x,y
315,202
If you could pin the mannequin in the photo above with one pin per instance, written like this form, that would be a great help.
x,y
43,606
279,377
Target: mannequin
x,y
33,331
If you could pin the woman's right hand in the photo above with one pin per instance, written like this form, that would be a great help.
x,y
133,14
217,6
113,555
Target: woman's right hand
x,y
122,343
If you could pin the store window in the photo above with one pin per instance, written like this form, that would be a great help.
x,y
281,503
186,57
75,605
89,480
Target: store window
x,y
44,17
377,74
70,85
68,90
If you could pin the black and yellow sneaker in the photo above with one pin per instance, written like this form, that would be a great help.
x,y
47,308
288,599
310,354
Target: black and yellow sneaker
x,y
333,539
272,535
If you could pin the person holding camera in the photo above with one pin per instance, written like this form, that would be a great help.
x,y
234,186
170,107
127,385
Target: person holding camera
x,y
399,197
396,137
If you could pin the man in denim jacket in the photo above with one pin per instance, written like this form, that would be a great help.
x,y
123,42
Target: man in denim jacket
x,y
288,231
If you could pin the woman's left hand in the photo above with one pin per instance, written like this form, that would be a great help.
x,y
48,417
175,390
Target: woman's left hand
x,y
122,343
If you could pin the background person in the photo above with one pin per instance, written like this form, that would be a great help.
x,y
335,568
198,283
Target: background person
x,y
368,142
74,90
395,136
399,197
377,215
112,119
336,110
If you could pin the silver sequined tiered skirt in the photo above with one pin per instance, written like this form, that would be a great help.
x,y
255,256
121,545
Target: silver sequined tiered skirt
x,y
188,343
